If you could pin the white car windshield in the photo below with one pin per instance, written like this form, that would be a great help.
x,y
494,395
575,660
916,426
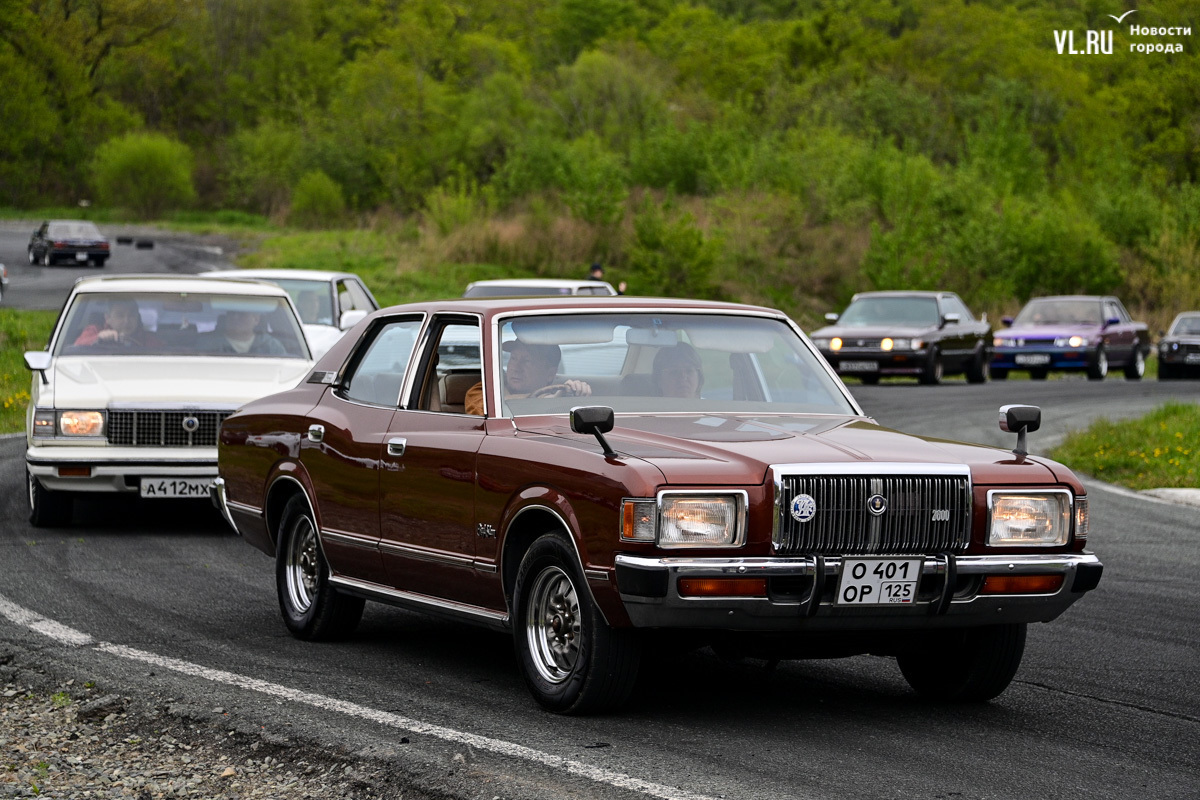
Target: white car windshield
x,y
655,362
180,324
1186,326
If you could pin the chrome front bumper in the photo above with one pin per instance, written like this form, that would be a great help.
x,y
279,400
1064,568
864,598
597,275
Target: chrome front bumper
x,y
216,493
801,590
117,469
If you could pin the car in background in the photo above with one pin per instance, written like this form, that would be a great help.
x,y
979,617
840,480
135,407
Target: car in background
x,y
1179,348
538,287
714,482
926,335
330,303
3,280
69,241
137,377
1071,333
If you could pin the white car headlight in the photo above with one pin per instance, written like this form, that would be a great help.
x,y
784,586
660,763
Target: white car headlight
x,y
1001,341
821,344
1029,519
701,520
81,423
1070,341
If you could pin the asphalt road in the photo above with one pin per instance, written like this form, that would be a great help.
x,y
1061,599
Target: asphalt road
x,y
1106,703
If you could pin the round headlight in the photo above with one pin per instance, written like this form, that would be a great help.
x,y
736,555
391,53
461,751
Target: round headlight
x,y
835,343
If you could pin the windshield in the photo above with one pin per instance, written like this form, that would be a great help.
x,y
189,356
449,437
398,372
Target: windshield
x,y
909,311
1186,326
180,324
654,363
1060,312
313,299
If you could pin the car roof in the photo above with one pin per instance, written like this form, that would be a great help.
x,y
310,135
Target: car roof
x,y
176,283
545,282
1074,297
282,274
495,306
901,293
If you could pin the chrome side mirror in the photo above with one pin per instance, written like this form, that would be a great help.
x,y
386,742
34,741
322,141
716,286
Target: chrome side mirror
x,y
1020,420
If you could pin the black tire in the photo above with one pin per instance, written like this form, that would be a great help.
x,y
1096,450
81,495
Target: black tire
x,y
869,380
980,366
934,369
47,509
1136,367
1039,374
968,666
47,259
1098,368
100,262
572,662
311,608
1166,372
32,258
999,374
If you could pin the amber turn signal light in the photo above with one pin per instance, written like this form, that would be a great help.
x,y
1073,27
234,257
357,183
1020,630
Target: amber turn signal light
x,y
74,472
722,587
1021,584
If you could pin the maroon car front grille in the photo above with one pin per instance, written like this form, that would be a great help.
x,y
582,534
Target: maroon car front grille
x,y
920,514
169,428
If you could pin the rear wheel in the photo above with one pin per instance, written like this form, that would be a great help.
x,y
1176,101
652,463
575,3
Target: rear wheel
x,y
47,509
46,259
980,366
1136,367
972,665
311,608
1098,369
572,661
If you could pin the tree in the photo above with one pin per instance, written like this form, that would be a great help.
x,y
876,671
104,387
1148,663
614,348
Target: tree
x,y
146,172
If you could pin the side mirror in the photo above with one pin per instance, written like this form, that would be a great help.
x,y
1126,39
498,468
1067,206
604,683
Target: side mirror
x,y
1020,420
831,318
596,420
1006,321
951,319
1111,321
351,318
38,361
1161,334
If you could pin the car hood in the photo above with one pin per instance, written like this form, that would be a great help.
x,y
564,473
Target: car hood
x,y
725,449
98,382
1182,339
871,331
1049,331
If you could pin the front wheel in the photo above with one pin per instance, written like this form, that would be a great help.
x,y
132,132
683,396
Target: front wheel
x,y
977,371
972,665
934,370
573,663
32,258
1098,369
312,609
1136,367
47,509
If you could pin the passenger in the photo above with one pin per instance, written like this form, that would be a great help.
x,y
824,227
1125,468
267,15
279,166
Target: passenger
x,y
530,373
237,332
678,371
122,325
308,303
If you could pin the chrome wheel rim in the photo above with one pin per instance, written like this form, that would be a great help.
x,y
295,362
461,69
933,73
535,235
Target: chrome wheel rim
x,y
303,567
1102,363
31,490
552,625
1139,364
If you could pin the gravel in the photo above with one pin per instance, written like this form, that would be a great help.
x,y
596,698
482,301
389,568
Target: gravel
x,y
70,738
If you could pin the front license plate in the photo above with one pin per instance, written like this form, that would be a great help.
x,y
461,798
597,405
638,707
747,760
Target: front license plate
x,y
1032,359
1192,358
175,487
878,581
81,256
860,366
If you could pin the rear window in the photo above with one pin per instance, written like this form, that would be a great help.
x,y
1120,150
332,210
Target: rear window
x,y
73,230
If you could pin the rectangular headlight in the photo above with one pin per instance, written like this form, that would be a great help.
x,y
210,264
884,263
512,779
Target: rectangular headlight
x,y
701,520
81,423
1029,519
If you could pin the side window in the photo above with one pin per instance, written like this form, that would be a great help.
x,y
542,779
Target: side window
x,y
379,375
1112,312
352,297
953,305
453,369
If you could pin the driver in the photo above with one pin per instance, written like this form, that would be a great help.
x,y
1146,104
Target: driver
x,y
122,325
530,373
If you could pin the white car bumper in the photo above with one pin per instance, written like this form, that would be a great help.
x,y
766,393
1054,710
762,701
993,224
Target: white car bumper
x,y
116,469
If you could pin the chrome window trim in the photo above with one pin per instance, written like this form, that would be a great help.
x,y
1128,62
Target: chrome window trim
x,y
381,322
1070,495
741,503
423,342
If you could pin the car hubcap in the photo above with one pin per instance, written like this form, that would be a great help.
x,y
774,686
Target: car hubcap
x,y
32,492
1140,364
1102,363
552,625
303,565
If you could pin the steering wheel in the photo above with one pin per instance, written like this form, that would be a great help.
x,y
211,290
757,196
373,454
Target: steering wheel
x,y
554,390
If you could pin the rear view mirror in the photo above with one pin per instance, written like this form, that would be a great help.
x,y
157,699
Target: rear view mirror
x,y
1006,321
1111,321
596,420
1020,420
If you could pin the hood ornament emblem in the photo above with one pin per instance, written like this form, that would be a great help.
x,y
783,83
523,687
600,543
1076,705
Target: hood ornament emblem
x,y
803,508
877,504
191,424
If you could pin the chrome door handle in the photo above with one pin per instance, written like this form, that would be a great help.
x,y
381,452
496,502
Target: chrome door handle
x,y
395,447
316,433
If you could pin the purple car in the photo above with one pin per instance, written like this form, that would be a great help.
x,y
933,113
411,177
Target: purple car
x,y
1078,333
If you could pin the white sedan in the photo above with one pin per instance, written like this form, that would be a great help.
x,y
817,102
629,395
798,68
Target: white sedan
x,y
330,303
139,373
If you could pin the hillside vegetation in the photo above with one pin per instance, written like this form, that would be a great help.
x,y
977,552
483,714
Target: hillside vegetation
x,y
788,152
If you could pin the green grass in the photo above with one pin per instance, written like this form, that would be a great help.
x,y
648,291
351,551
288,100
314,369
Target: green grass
x,y
19,331
1160,450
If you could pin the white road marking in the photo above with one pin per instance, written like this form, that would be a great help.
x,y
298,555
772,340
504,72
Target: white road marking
x,y
69,636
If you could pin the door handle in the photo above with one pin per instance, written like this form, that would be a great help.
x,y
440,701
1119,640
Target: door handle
x,y
395,447
316,433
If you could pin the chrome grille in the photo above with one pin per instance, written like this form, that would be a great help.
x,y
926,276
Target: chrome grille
x,y
154,428
842,524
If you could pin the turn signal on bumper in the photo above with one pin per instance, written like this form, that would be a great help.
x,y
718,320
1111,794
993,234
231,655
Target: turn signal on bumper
x,y
722,587
1021,584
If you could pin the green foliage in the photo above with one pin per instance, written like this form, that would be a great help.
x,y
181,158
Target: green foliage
x,y
456,202
593,181
1158,450
19,331
317,202
670,256
264,164
146,172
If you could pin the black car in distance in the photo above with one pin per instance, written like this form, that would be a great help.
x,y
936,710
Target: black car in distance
x,y
69,241
925,335
1179,348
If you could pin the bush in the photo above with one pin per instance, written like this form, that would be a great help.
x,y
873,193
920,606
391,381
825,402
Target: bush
x,y
147,173
317,201
671,256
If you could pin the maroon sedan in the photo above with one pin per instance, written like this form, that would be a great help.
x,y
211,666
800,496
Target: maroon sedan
x,y
598,477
